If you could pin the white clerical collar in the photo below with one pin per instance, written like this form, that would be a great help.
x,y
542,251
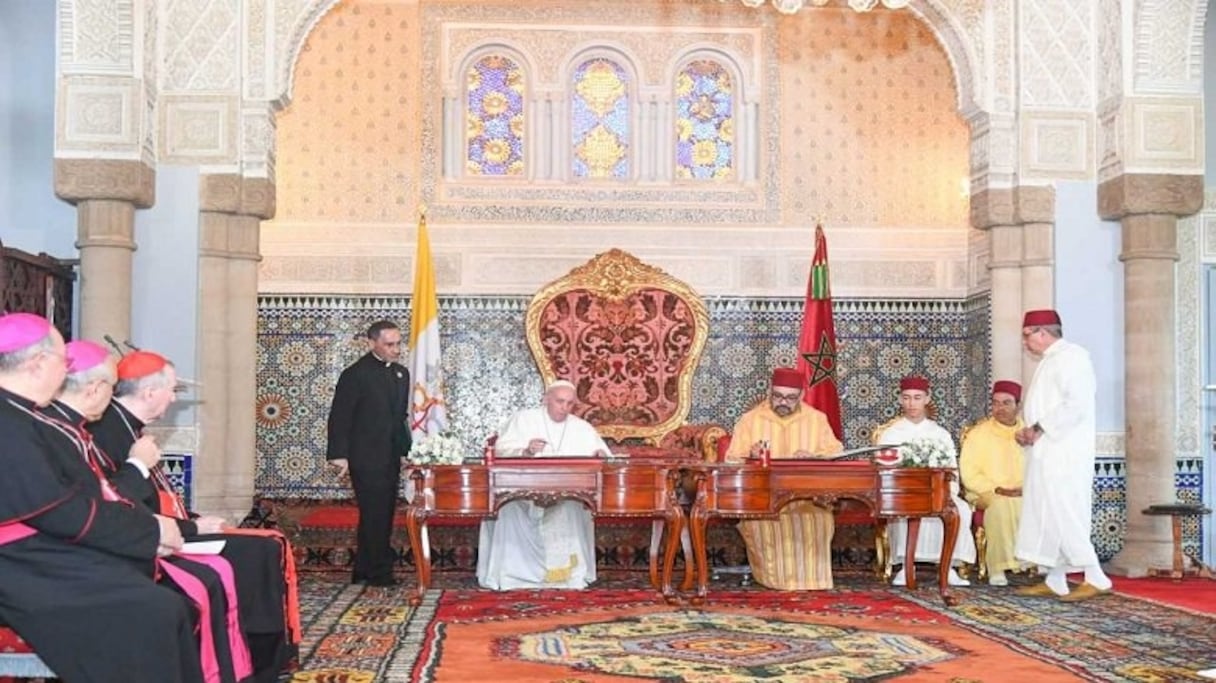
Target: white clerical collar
x,y
387,363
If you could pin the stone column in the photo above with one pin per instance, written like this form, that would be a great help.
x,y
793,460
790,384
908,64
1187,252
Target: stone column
x,y
992,210
1148,207
106,194
257,204
1019,224
231,209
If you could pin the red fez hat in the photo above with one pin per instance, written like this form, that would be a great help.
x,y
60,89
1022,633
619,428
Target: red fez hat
x,y
84,355
1041,317
19,330
914,383
139,364
788,378
1004,386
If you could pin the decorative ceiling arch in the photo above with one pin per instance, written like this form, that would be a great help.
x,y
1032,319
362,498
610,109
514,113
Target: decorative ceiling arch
x,y
294,21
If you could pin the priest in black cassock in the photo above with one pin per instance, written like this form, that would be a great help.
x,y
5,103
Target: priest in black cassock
x,y
71,587
146,388
369,434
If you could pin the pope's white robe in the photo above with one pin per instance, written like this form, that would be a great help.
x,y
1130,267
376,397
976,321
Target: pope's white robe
x,y
1057,496
932,531
529,546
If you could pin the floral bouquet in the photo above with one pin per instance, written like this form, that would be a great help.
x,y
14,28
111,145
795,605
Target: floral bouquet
x,y
444,448
928,452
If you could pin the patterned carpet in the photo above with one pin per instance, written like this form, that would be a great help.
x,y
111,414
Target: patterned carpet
x,y
620,632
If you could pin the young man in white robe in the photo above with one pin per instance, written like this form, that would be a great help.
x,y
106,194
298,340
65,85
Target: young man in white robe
x,y
530,546
1057,496
915,424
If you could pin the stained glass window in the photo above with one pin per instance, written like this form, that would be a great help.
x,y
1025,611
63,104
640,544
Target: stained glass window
x,y
705,122
599,114
494,115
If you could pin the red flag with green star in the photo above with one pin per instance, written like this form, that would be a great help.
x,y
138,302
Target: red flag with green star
x,y
817,343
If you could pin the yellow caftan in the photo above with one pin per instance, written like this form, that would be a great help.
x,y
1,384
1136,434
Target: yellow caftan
x,y
794,551
991,459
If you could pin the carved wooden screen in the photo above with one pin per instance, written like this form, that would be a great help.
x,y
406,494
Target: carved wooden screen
x,y
37,284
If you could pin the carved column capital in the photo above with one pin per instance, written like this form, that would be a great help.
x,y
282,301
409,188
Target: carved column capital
x,y
1013,206
1131,194
77,180
231,193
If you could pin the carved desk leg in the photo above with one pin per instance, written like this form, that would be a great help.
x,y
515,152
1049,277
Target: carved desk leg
x,y
910,552
675,529
415,524
699,521
950,521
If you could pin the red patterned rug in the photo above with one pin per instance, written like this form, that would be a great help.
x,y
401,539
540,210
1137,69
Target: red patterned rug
x,y
861,632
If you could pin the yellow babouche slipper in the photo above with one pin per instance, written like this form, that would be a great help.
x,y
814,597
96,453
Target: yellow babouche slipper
x,y
1039,590
1084,592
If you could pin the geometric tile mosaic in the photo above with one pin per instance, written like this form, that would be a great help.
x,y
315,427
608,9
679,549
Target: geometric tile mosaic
x,y
305,342
179,470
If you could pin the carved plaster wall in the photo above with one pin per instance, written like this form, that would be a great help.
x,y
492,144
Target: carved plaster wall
x,y
881,160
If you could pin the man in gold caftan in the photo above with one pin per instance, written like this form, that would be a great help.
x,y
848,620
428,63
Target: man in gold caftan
x,y
992,467
794,551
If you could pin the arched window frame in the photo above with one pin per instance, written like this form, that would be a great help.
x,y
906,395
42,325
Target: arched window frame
x,y
747,133
563,153
455,111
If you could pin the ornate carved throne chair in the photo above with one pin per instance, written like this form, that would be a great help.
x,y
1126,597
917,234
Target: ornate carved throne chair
x,y
629,337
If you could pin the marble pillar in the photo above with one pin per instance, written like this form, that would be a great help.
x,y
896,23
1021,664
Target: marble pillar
x,y
1148,207
106,194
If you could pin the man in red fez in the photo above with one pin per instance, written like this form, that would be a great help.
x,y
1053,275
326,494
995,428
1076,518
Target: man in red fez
x,y
788,428
914,425
71,587
991,466
1057,498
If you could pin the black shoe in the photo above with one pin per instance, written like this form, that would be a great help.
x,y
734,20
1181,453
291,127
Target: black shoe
x,y
384,582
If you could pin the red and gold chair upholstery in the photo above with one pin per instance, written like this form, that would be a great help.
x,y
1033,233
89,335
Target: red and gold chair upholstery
x,y
629,337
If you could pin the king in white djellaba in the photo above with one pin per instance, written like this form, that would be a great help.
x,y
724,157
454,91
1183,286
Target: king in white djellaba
x,y
530,546
916,425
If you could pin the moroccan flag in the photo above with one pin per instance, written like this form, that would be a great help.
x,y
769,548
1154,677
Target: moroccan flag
x,y
817,343
427,412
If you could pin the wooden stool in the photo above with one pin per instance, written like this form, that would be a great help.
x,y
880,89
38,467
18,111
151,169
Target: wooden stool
x,y
1176,512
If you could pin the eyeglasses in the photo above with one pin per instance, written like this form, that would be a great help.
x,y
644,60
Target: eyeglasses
x,y
785,398
1033,332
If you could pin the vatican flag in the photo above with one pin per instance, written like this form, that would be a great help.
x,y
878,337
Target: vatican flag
x,y
427,412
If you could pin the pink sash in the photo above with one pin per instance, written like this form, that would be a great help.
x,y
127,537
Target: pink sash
x,y
242,663
197,592
15,531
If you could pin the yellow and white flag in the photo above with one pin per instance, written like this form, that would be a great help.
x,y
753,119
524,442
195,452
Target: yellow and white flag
x,y
427,409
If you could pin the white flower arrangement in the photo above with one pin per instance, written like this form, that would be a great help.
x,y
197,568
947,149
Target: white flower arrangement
x,y
928,452
444,448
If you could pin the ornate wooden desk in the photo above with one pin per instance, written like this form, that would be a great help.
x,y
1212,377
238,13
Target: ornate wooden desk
x,y
752,491
609,488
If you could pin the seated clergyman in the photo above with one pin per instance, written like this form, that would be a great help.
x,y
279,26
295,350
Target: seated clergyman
x,y
530,546
914,424
794,551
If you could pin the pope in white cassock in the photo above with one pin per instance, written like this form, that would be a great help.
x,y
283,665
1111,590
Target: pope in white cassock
x,y
529,546
1057,496
915,424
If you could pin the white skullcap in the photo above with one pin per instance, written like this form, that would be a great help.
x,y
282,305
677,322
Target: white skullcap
x,y
559,384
